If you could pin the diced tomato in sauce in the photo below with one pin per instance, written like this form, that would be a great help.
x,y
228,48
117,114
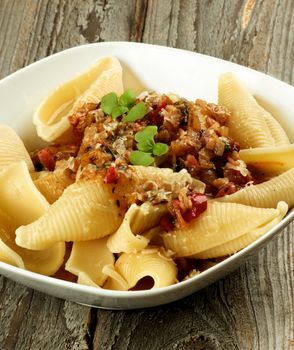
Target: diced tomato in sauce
x,y
154,117
47,158
111,175
199,205
166,223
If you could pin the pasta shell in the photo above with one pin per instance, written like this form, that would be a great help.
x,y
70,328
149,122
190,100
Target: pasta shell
x,y
246,114
12,148
86,280
20,204
52,184
272,160
86,210
147,263
266,194
241,242
9,256
51,117
114,281
219,224
137,220
278,133
89,258
20,198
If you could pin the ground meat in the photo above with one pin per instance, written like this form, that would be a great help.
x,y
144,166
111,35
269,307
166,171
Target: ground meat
x,y
196,134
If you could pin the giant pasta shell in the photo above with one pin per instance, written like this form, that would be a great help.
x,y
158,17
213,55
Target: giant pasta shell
x,y
20,198
21,203
243,241
272,160
147,263
86,210
12,148
219,224
9,256
266,194
137,220
114,280
51,117
52,183
89,258
247,123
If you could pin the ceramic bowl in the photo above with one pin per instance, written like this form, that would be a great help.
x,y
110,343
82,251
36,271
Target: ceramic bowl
x,y
157,68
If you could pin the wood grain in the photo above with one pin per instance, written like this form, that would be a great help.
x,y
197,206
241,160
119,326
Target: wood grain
x,y
252,308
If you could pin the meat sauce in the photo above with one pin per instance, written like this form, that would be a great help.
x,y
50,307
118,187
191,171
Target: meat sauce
x,y
197,136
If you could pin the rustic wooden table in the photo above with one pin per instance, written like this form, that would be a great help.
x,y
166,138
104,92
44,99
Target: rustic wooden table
x,y
252,308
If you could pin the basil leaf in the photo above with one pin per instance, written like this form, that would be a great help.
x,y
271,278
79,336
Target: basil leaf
x,y
118,111
137,112
141,158
159,149
145,146
127,99
108,102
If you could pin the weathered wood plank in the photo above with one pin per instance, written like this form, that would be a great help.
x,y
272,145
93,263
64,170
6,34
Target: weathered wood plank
x,y
252,308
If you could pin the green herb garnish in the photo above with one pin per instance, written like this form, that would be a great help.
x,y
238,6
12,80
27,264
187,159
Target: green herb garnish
x,y
108,102
141,158
136,113
118,111
145,138
147,148
159,149
127,99
114,106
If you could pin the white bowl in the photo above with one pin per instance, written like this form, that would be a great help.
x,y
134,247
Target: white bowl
x,y
159,68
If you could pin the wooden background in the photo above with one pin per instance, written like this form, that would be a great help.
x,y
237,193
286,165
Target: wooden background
x,y
253,308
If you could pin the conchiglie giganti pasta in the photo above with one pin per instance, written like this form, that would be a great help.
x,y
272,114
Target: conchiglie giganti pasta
x,y
86,210
114,280
219,224
51,117
21,203
89,258
20,198
9,256
243,241
266,194
52,184
272,160
249,122
12,148
149,262
137,220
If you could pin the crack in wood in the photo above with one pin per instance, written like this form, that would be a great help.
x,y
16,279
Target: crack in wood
x,y
92,323
139,19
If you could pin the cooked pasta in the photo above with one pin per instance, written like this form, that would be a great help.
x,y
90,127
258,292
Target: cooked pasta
x,y
266,194
52,184
87,260
271,160
138,219
12,148
21,203
146,187
149,262
50,117
218,225
85,211
247,115
239,243
9,256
